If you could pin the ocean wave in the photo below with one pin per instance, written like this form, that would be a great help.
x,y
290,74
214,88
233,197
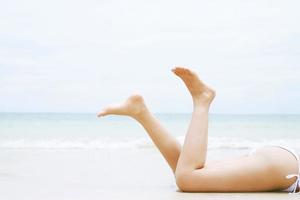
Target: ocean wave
x,y
213,143
68,144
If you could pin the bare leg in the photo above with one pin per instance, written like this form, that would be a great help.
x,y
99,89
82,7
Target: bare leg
x,y
263,171
135,107
194,150
236,175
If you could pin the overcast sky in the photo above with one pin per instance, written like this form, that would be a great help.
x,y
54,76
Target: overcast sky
x,y
78,56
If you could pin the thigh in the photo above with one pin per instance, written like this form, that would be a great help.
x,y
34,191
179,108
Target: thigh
x,y
262,171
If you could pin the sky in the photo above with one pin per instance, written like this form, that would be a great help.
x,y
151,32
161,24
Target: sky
x,y
79,56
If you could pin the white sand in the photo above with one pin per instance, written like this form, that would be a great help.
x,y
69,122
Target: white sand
x,y
97,174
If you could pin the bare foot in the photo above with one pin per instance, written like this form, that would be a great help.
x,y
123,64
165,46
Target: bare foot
x,y
199,91
133,106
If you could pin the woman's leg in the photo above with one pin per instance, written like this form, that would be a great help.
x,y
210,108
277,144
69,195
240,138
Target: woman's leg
x,y
135,107
193,154
263,171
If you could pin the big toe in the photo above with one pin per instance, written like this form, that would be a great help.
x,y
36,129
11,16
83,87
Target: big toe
x,y
183,72
102,113
105,111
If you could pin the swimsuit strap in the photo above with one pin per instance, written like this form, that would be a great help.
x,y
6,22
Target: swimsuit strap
x,y
297,185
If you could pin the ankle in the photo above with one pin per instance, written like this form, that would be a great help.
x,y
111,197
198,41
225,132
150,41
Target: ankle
x,y
203,107
141,115
205,98
202,103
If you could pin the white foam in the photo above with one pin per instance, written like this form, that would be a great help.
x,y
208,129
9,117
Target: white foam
x,y
69,144
213,143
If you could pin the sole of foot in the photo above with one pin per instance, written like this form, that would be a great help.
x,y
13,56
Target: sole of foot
x,y
199,91
133,106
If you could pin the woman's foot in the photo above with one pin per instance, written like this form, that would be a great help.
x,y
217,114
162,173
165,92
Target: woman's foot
x,y
201,94
134,106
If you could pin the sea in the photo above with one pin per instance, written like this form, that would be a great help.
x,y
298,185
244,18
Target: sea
x,y
86,131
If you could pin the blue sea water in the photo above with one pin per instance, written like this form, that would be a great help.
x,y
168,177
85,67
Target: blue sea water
x,y
85,131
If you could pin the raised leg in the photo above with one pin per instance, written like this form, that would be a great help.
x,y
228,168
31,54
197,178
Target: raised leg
x,y
135,107
194,150
263,171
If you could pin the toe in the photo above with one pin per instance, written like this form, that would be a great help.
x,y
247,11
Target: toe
x,y
182,69
179,70
104,112
176,71
100,114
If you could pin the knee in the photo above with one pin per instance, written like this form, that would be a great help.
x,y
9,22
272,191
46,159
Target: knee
x,y
184,181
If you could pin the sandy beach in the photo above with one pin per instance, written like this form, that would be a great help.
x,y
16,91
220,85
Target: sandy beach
x,y
98,174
